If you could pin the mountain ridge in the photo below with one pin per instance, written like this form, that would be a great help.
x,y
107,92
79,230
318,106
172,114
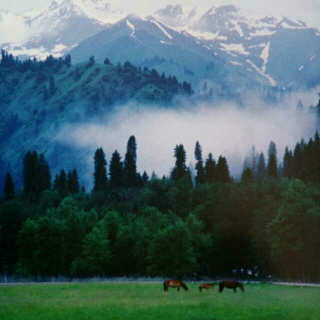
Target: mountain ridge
x,y
273,50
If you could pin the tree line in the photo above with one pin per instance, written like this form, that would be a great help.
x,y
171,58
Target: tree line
x,y
181,225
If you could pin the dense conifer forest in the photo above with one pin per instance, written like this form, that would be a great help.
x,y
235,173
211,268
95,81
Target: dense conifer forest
x,y
266,224
37,98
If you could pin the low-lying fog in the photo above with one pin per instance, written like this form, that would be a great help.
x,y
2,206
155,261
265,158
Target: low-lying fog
x,y
224,130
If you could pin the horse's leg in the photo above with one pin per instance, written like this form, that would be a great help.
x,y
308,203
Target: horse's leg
x,y
200,289
235,290
178,288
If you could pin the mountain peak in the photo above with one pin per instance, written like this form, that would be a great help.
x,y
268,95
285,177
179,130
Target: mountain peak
x,y
178,15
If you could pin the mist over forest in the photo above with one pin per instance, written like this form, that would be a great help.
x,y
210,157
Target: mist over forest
x,y
221,128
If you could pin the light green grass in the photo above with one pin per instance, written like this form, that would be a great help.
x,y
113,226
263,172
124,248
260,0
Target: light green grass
x,y
149,301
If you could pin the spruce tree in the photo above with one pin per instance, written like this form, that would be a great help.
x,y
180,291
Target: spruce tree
x,y
200,177
8,189
210,169
30,172
180,168
68,60
272,168
222,170
297,160
73,182
145,177
44,175
130,165
287,164
60,183
247,175
100,171
261,167
116,171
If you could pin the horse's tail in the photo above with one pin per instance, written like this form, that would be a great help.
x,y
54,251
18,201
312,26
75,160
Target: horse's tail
x,y
241,287
200,289
165,286
184,286
221,286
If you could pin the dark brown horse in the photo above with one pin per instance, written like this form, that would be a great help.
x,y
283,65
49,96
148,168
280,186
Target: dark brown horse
x,y
206,286
230,284
174,284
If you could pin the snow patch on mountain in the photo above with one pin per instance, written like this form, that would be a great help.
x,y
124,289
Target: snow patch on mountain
x,y
261,33
234,47
271,80
99,10
265,56
235,63
163,42
162,29
131,26
180,16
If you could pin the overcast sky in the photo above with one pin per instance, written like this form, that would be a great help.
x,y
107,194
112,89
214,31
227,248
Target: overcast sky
x,y
305,10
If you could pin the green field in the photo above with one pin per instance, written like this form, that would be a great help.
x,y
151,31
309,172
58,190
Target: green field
x,y
148,301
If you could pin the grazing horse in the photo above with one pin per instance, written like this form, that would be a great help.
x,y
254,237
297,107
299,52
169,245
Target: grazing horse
x,y
174,284
206,286
230,284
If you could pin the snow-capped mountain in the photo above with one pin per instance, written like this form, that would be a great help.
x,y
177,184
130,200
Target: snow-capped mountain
x,y
275,47
273,50
152,43
180,16
57,29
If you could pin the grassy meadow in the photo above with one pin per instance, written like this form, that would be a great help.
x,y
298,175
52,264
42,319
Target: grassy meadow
x,y
132,301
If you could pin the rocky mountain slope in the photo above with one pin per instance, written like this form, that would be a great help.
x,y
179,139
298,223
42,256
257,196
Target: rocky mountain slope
x,y
285,52
263,50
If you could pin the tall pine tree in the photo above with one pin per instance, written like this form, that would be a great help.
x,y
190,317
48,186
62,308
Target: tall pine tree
x,y
180,168
130,163
272,168
100,171
210,169
261,167
200,177
8,189
116,171
222,170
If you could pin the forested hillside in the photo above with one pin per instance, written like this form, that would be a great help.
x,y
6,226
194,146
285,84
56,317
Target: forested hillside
x,y
266,224
37,98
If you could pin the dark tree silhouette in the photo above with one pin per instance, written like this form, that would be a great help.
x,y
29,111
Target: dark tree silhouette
x,y
8,189
210,169
116,171
100,171
200,177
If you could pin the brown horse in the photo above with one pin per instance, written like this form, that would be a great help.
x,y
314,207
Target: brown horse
x,y
206,286
230,284
174,284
